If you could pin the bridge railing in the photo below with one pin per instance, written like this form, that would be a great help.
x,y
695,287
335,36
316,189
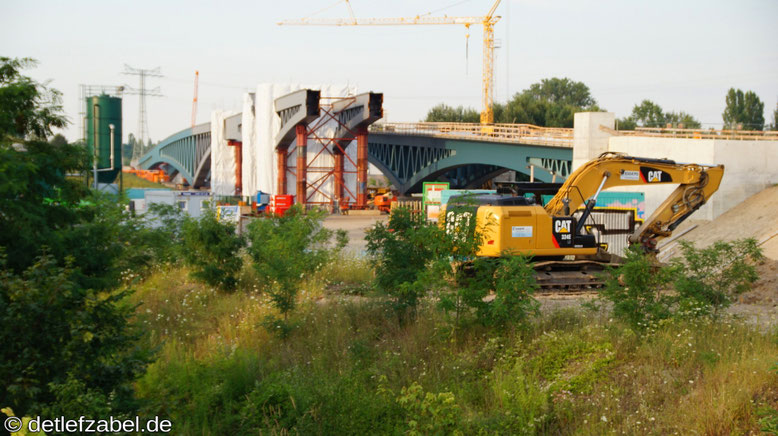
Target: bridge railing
x,y
662,132
512,133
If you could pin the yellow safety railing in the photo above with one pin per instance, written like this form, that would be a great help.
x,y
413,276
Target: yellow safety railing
x,y
512,133
554,136
664,132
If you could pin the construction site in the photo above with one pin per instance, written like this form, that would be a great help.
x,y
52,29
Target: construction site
x,y
287,259
574,199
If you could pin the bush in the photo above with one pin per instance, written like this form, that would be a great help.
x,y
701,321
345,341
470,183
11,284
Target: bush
x,y
709,279
163,231
514,285
401,251
413,257
211,248
637,290
428,413
65,345
705,281
286,248
67,341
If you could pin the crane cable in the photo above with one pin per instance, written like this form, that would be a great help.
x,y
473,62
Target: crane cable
x,y
329,7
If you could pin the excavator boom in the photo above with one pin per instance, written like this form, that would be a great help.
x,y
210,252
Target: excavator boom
x,y
696,183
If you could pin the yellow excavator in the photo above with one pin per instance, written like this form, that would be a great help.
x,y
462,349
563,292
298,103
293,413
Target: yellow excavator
x,y
565,253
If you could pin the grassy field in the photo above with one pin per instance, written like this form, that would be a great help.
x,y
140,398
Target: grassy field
x,y
350,368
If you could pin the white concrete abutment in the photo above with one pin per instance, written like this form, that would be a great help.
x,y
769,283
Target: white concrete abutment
x,y
749,165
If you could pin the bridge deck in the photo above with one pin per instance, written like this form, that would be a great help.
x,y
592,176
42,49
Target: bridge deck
x,y
506,133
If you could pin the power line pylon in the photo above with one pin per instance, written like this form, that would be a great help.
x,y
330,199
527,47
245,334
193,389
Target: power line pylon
x,y
142,93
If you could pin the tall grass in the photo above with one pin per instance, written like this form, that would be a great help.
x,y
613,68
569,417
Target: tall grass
x,y
344,368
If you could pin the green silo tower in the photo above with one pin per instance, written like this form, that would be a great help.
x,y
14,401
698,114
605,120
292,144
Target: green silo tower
x,y
102,111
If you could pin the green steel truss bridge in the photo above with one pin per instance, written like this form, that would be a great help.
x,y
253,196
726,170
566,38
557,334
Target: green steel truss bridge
x,y
466,155
187,152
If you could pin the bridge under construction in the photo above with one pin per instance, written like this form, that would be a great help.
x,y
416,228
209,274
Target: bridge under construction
x,y
408,154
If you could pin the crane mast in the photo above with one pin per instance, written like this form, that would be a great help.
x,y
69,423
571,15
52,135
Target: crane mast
x,y
487,21
194,100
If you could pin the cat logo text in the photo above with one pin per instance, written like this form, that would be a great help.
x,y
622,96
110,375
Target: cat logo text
x,y
562,226
654,176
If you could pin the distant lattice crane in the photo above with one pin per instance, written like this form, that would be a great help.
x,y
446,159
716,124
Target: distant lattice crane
x,y
487,21
194,100
142,93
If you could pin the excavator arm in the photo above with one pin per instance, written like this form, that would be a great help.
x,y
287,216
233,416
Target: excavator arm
x,y
696,183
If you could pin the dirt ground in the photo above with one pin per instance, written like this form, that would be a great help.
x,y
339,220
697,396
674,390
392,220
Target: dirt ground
x,y
756,217
356,226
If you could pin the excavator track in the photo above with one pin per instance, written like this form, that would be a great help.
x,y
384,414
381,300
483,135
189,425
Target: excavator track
x,y
570,277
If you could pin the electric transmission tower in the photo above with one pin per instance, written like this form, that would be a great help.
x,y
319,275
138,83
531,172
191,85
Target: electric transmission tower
x,y
142,92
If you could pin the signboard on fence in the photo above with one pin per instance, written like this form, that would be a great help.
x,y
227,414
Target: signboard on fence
x,y
229,214
431,200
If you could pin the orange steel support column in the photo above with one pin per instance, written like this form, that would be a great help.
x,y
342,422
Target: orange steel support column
x,y
339,176
362,168
238,166
281,155
302,164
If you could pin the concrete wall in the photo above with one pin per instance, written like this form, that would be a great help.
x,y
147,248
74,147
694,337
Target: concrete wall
x,y
680,150
749,166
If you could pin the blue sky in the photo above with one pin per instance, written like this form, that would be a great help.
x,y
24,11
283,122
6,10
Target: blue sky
x,y
683,55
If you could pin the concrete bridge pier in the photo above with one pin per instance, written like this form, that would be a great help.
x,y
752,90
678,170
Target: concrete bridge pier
x,y
589,141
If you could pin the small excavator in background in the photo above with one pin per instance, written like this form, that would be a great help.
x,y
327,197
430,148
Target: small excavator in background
x,y
555,235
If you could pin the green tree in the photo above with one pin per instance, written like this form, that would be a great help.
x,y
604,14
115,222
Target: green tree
x,y
56,334
66,334
650,114
459,114
743,108
211,248
562,92
709,279
284,249
626,123
27,108
58,140
775,117
401,252
38,203
678,119
636,289
552,102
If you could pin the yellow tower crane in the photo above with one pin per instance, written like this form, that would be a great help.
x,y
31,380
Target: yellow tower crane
x,y
487,21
